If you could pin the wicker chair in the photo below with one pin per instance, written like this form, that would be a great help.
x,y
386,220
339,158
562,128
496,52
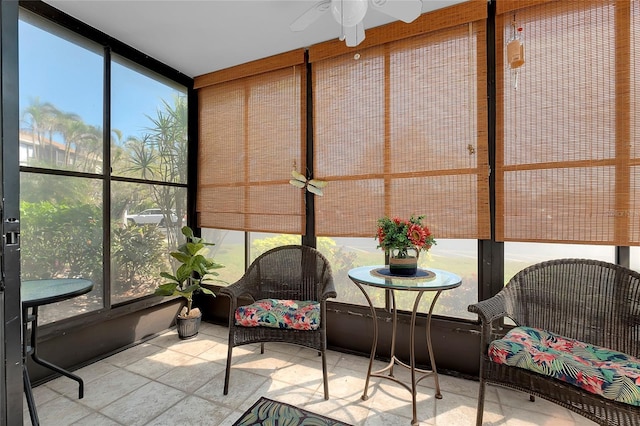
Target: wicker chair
x,y
588,300
290,272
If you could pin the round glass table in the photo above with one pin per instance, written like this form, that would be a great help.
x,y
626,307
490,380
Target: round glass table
x,y
435,280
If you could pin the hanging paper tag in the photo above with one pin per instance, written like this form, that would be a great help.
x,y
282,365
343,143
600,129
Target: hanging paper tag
x,y
515,53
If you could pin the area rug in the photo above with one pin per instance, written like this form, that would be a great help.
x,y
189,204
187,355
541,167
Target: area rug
x,y
267,412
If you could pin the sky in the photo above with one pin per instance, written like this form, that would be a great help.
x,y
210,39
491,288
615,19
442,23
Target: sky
x,y
70,76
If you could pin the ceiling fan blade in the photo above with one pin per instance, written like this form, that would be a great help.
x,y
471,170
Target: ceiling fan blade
x,y
308,17
404,10
354,35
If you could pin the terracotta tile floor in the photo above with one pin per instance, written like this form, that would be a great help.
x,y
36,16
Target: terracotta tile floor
x,y
167,381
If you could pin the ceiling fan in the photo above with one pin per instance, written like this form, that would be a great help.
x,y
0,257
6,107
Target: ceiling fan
x,y
350,13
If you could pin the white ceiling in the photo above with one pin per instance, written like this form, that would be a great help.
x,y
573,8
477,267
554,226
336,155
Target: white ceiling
x,y
200,36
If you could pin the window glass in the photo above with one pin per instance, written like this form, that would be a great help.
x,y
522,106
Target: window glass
x,y
457,256
61,114
228,251
453,255
635,258
61,237
148,125
348,253
149,142
145,227
261,242
518,256
61,101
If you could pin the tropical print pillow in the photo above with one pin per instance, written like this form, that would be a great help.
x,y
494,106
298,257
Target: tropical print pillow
x,y
613,375
278,313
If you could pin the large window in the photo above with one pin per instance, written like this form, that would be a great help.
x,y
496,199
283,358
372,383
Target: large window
x,y
61,81
149,143
567,135
66,172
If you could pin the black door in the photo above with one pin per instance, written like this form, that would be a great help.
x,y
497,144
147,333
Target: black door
x,y
11,385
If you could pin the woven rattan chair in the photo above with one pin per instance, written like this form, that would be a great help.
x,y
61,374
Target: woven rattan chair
x,y
293,272
587,300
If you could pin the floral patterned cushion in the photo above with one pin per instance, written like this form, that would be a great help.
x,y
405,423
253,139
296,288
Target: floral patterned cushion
x,y
276,313
613,375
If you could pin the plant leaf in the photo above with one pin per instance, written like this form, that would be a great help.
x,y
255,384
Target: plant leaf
x,y
167,289
207,291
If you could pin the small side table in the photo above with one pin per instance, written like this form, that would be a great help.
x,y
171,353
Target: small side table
x,y
426,280
34,294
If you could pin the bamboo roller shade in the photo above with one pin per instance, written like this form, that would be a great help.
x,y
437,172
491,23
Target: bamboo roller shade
x,y
568,139
401,131
251,133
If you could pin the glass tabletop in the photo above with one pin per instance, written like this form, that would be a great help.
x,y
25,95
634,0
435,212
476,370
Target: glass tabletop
x,y
427,279
43,292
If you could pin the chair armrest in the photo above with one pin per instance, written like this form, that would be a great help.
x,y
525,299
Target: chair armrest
x,y
490,309
237,289
329,290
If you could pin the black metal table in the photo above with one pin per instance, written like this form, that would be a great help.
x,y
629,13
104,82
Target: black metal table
x,y
35,294
435,280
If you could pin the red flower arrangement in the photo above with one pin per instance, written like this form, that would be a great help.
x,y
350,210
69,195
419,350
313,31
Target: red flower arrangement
x,y
401,235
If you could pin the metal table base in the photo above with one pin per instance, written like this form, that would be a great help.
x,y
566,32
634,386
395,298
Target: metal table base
x,y
417,374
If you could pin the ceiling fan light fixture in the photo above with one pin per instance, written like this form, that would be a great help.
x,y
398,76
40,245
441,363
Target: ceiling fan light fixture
x,y
349,13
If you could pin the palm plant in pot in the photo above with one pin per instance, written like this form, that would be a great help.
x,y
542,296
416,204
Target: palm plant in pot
x,y
195,269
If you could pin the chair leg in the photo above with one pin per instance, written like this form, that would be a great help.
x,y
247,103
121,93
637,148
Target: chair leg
x,y
261,348
480,412
324,375
228,370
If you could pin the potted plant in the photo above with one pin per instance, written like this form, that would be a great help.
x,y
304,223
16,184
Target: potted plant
x,y
403,240
195,269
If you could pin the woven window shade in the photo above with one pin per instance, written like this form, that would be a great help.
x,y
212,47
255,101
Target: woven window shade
x,y
251,135
634,123
401,131
567,137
